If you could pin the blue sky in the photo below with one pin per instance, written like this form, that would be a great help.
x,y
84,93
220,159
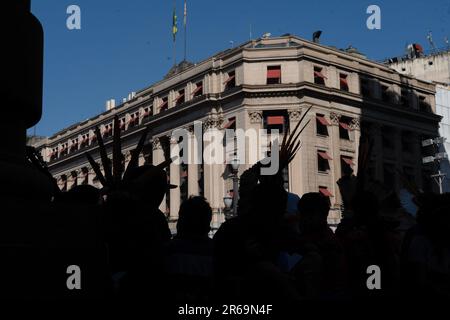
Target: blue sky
x,y
125,46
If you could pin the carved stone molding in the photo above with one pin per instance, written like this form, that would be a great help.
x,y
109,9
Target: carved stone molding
x,y
156,144
355,124
214,119
334,117
295,114
255,116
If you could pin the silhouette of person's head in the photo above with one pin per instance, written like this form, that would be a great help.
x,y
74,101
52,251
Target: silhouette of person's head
x,y
433,214
84,194
268,202
313,211
194,218
366,207
148,183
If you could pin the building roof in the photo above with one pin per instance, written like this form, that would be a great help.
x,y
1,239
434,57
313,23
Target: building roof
x,y
285,41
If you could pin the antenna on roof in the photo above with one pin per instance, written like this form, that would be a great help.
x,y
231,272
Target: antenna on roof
x,y
430,40
447,43
266,35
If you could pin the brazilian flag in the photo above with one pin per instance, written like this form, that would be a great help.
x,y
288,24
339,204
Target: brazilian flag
x,y
174,24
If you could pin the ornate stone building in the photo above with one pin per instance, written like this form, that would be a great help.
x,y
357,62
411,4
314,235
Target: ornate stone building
x,y
268,84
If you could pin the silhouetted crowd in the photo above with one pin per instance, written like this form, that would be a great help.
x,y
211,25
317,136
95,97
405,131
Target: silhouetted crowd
x,y
279,247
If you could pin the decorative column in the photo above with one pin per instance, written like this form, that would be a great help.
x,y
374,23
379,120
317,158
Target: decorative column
x,y
193,177
127,158
295,167
91,176
174,193
158,157
70,180
356,127
255,122
336,155
213,181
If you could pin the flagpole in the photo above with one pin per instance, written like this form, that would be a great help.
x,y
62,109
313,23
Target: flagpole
x,y
185,29
174,52
174,33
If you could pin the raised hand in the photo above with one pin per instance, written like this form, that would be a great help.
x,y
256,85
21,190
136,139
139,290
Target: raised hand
x,y
290,145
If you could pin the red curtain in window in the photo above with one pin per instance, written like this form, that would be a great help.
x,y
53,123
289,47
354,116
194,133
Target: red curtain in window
x,y
181,96
163,105
348,161
229,79
229,124
272,120
325,192
343,81
324,155
344,125
273,73
319,74
200,87
323,121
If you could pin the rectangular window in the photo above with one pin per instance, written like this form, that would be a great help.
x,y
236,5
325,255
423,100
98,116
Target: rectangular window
x,y
134,120
107,131
343,83
64,149
273,74
180,99
231,124
74,145
344,128
365,87
275,120
164,104
231,81
122,124
319,78
198,91
84,141
323,158
346,166
147,112
321,125
385,93
423,104
54,154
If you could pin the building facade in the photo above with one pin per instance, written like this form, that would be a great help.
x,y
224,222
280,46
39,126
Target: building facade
x,y
434,68
267,84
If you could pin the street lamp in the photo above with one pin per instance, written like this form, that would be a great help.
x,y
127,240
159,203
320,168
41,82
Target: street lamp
x,y
228,201
234,165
